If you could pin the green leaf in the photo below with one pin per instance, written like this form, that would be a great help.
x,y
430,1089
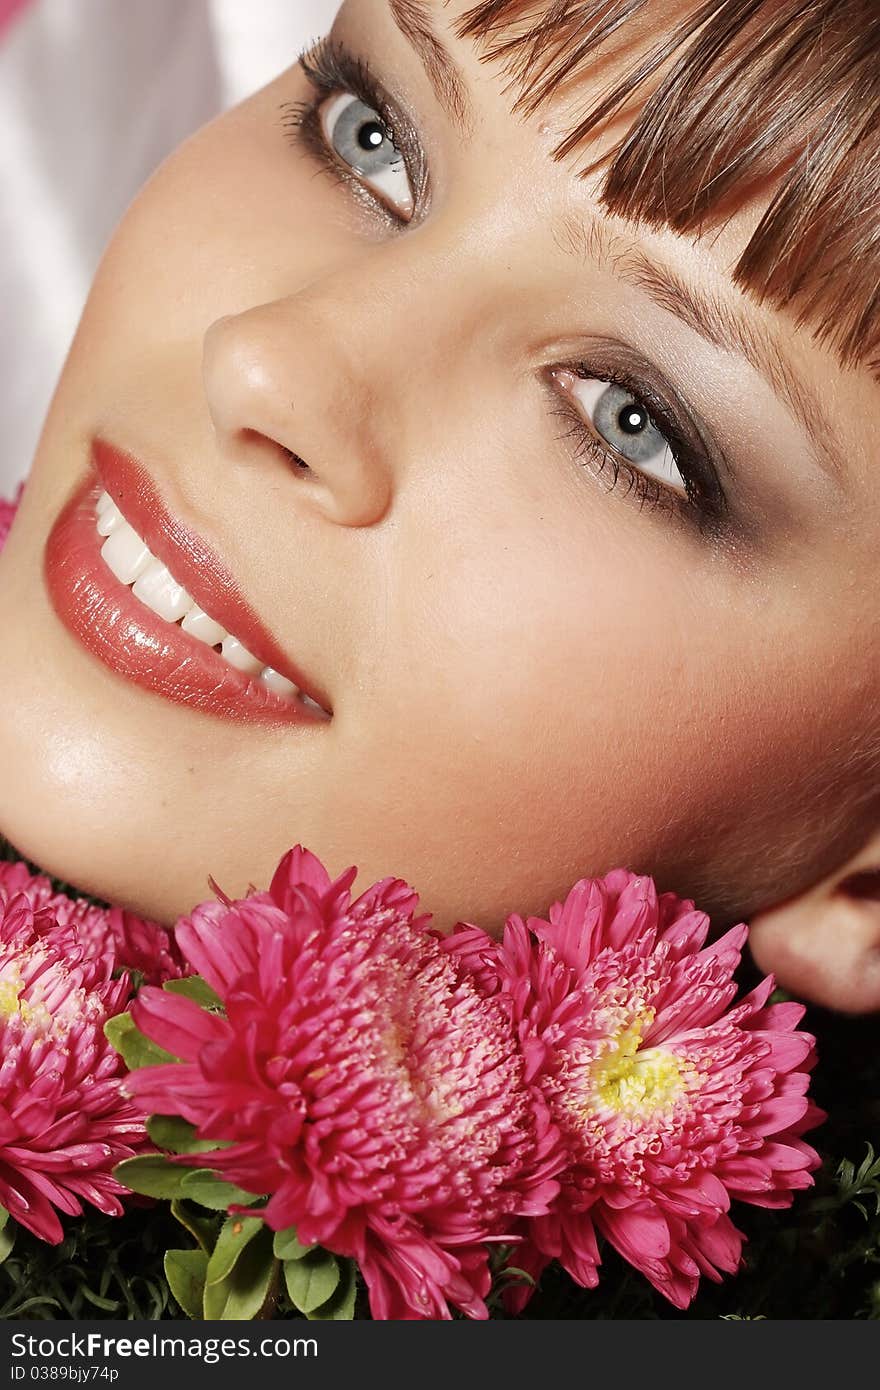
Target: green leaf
x,y
311,1280
170,1132
36,1302
286,1246
135,1050
517,1275
202,1228
152,1175
195,988
241,1295
185,1272
235,1233
340,1307
8,1231
859,1186
202,1185
107,1305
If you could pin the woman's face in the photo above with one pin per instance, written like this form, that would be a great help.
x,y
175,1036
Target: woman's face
x,y
574,579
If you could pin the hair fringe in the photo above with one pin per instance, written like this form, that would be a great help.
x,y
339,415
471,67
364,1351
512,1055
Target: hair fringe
x,y
738,95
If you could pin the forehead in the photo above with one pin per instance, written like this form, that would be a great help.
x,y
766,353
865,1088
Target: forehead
x,y
661,191
694,113
550,47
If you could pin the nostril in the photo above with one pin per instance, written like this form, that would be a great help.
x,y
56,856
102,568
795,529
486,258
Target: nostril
x,y
865,884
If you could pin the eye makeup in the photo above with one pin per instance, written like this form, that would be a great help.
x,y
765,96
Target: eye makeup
x,y
701,502
332,69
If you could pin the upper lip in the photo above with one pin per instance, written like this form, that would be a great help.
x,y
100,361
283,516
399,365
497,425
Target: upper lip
x,y
193,563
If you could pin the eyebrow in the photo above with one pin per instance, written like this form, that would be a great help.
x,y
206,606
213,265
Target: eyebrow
x,y
414,22
722,325
712,317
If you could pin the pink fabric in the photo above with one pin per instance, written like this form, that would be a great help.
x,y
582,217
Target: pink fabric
x,y
8,10
7,511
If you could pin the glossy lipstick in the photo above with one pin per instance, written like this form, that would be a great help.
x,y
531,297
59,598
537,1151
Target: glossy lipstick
x,y
129,638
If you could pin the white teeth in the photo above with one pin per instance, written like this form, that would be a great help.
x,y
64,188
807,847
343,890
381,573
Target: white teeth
x,y
160,591
125,553
110,517
278,683
133,563
198,624
238,656
313,706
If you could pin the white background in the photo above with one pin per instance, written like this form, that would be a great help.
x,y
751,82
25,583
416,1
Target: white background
x,y
93,95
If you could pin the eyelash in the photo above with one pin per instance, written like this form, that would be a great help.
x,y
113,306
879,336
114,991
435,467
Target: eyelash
x,y
705,503
331,68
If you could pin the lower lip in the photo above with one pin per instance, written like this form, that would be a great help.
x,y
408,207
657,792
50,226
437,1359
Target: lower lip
x,y
134,642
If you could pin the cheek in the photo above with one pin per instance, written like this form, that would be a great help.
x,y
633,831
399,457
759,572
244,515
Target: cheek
x,y
232,219
573,696
553,632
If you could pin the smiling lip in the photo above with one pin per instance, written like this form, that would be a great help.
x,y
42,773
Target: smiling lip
x,y
133,641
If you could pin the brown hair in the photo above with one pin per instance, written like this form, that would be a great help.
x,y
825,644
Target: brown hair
x,y
735,95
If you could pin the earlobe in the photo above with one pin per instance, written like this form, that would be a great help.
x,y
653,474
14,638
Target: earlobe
x,y
824,944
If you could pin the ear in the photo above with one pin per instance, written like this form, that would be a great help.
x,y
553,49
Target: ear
x,y
824,944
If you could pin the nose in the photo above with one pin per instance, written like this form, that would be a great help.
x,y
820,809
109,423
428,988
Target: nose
x,y
307,378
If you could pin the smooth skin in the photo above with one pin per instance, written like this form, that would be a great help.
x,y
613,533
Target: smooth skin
x,y
535,675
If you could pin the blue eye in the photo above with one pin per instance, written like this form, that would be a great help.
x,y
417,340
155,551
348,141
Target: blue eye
x,y
624,423
359,138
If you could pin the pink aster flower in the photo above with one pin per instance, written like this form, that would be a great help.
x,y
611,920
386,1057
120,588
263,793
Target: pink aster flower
x,y
7,516
64,1122
127,941
363,1081
671,1098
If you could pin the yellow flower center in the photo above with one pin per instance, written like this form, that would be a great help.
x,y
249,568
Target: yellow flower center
x,y
10,989
630,1079
11,1003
